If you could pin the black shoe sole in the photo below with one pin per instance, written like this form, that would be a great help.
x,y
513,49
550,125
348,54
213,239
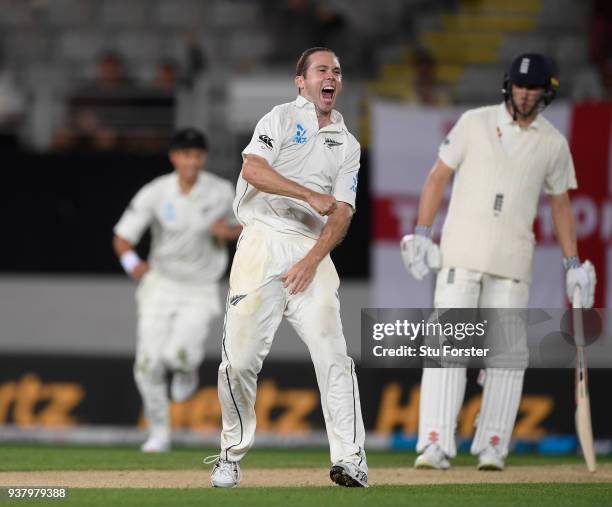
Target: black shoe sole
x,y
489,468
340,477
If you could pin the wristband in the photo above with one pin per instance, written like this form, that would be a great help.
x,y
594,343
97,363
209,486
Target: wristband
x,y
423,230
571,262
129,260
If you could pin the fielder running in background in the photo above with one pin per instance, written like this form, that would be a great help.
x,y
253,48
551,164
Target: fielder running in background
x,y
501,156
190,215
295,197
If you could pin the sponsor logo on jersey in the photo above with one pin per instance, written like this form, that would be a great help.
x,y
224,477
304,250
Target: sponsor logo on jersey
x,y
266,141
499,202
330,143
451,276
354,184
234,300
300,135
169,213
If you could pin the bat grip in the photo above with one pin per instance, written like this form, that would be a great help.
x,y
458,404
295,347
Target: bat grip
x,y
576,298
577,318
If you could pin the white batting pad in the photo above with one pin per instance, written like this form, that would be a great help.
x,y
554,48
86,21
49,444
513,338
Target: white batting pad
x,y
442,391
500,403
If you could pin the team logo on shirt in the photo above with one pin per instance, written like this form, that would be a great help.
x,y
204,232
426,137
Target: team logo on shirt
x,y
169,213
354,184
330,143
300,135
266,141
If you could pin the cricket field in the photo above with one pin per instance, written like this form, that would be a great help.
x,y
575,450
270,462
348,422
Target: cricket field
x,y
123,476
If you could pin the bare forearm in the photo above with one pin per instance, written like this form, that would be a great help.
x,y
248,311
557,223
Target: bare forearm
x,y
258,173
233,232
262,176
433,193
565,227
333,233
225,232
121,245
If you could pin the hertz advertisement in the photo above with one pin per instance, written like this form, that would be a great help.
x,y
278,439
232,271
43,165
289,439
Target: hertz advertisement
x,y
64,392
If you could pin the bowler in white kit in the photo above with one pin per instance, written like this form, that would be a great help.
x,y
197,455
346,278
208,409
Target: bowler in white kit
x,y
295,197
190,216
501,157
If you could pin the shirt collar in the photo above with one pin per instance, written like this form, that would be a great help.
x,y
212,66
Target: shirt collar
x,y
505,118
337,121
197,189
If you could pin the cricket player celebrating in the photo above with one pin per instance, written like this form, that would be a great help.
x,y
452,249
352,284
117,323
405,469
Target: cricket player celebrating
x,y
501,157
190,215
295,197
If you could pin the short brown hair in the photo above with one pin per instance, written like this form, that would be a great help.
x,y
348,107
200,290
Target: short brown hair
x,y
302,63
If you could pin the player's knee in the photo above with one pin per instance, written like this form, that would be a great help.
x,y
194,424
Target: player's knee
x,y
325,325
513,374
244,366
148,371
182,358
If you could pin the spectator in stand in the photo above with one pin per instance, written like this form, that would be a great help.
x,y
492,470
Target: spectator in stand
x,y
178,80
426,90
89,127
320,24
166,76
111,75
292,24
170,76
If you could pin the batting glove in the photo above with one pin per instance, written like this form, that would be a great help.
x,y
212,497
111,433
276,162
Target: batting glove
x,y
419,253
582,276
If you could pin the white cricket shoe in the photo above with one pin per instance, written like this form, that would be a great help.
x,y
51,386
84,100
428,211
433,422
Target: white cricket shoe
x,y
225,474
183,385
491,460
156,444
432,458
349,474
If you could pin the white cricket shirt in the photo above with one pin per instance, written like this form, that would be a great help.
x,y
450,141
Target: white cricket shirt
x,y
325,160
182,247
496,189
510,132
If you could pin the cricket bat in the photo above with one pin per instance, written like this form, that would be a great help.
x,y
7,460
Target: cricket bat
x,y
584,428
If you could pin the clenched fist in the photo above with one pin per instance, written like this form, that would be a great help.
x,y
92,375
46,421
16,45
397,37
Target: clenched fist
x,y
324,204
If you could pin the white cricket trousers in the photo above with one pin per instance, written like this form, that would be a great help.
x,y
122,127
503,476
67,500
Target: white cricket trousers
x,y
443,389
256,304
173,323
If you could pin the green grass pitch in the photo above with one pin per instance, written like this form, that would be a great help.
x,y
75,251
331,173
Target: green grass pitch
x,y
38,457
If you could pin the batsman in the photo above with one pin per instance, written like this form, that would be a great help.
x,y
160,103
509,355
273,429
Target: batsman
x,y
501,157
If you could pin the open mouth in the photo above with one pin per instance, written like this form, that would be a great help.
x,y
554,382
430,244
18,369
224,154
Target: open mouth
x,y
327,94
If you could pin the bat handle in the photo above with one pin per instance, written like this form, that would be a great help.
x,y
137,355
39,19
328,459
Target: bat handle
x,y
577,318
576,298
